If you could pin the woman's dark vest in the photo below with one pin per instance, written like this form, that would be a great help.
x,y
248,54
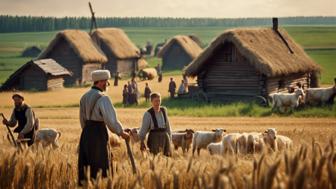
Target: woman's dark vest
x,y
156,125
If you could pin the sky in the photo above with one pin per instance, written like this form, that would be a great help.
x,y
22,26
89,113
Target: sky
x,y
170,8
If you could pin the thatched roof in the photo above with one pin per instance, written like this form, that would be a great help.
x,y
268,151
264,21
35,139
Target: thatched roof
x,y
264,48
49,66
80,42
186,42
117,42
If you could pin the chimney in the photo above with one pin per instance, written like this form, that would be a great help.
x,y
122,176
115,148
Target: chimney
x,y
275,23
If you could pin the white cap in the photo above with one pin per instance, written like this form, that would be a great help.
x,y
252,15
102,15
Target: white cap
x,y
99,75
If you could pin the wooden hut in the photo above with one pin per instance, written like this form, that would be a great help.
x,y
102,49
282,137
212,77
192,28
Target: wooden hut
x,y
75,50
241,64
32,51
179,52
41,75
122,54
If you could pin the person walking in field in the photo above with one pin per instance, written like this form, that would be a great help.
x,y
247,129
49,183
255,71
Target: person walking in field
x,y
159,71
23,116
125,95
147,92
116,79
156,122
172,88
96,112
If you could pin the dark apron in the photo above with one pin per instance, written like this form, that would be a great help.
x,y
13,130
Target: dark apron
x,y
93,150
158,138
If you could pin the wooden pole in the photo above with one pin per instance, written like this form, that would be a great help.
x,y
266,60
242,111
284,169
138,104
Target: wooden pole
x,y
130,155
9,131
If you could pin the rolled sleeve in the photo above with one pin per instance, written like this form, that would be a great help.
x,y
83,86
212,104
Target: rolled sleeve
x,y
30,122
12,121
109,115
146,120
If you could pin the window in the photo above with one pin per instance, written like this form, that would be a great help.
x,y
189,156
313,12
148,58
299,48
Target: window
x,y
281,84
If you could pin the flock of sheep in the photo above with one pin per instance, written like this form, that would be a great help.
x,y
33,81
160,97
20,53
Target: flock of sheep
x,y
299,96
219,142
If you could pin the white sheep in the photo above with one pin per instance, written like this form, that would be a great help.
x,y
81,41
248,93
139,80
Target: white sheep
x,y
242,143
269,137
255,142
321,95
282,101
284,142
202,139
230,143
215,148
47,136
134,134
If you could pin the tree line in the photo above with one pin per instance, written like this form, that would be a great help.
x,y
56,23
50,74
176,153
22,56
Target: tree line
x,y
36,24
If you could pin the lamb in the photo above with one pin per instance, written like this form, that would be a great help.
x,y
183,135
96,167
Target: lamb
x,y
134,134
202,139
321,95
284,142
270,136
47,136
242,143
215,148
230,143
255,142
275,141
183,139
284,100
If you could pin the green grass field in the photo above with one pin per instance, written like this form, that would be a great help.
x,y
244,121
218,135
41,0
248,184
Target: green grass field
x,y
320,43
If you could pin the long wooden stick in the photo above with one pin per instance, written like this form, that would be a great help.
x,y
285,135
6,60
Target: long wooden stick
x,y
9,131
130,155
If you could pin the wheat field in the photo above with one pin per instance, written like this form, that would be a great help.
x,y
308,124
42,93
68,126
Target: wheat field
x,y
310,164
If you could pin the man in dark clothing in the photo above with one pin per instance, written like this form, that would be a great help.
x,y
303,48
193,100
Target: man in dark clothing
x,y
116,78
156,122
96,112
159,71
172,88
147,92
24,116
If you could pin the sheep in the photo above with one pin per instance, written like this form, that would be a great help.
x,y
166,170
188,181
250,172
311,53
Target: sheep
x,y
242,143
183,139
255,142
215,148
275,141
47,136
285,100
202,139
321,95
284,142
269,137
134,134
230,143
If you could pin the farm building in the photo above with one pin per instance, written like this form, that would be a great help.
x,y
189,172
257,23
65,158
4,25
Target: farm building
x,y
122,54
75,50
179,52
245,63
32,51
44,74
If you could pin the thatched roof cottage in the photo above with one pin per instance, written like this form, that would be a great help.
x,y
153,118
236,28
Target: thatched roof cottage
x,y
41,75
178,52
122,54
75,50
243,63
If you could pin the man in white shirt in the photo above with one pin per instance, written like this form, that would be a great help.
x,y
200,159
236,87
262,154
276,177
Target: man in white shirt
x,y
96,112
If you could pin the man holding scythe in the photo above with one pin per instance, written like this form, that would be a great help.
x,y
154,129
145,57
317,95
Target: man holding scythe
x,y
96,112
22,115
